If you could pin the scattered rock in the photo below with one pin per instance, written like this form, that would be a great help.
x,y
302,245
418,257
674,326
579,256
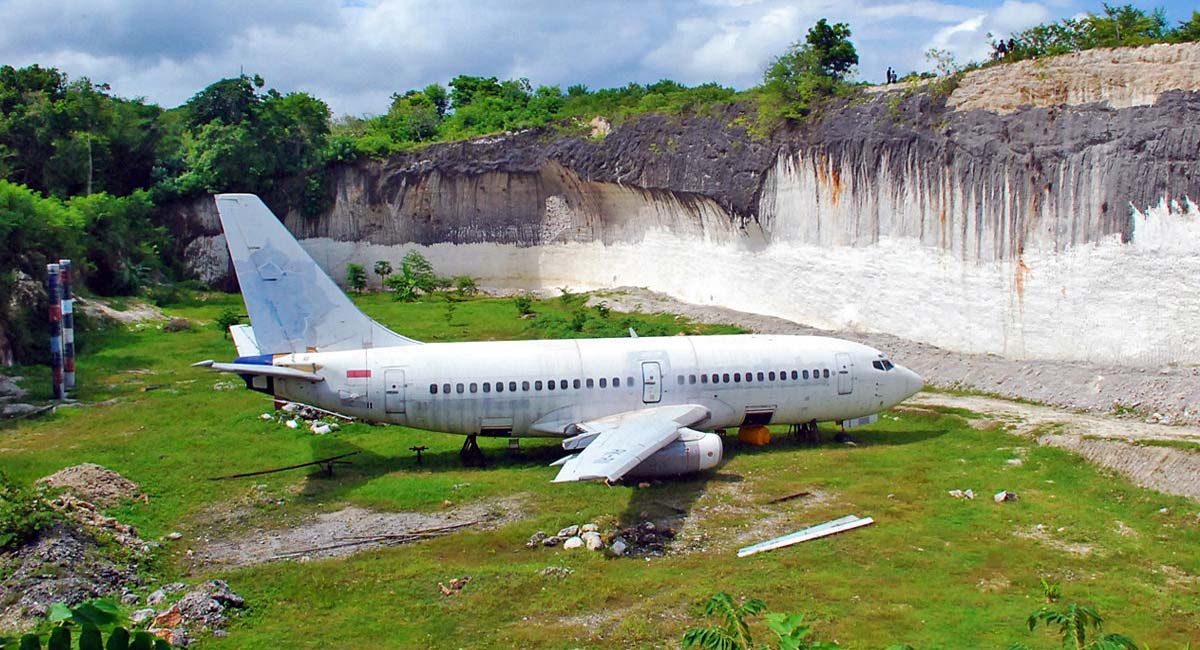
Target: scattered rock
x,y
573,543
535,539
168,619
204,607
962,494
174,536
140,616
177,325
592,541
320,428
292,424
553,540
130,598
225,385
9,388
92,483
454,586
569,531
1004,495
18,410
589,528
156,598
618,547
555,572
1015,462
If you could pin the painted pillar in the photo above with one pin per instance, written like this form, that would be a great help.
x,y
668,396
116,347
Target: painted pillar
x,y
56,351
68,325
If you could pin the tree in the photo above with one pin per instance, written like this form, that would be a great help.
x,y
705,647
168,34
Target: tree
x,y
356,277
1074,622
810,69
831,45
733,633
1188,31
383,269
227,319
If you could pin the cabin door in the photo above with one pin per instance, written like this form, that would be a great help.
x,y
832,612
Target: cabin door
x,y
393,390
845,379
651,382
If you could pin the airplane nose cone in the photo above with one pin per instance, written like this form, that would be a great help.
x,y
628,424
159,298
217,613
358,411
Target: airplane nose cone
x,y
912,382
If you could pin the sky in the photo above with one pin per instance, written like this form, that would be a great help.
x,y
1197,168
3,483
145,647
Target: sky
x,y
354,54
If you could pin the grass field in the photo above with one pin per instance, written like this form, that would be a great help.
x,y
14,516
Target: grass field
x,y
933,572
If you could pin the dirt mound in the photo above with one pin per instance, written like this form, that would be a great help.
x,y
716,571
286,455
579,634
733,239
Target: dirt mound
x,y
93,483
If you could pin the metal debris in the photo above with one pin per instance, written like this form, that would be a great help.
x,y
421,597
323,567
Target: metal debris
x,y
848,522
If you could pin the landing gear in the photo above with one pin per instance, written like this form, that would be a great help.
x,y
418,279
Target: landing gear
x,y
806,432
471,455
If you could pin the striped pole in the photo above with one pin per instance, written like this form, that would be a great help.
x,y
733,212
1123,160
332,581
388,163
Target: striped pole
x,y
56,352
68,325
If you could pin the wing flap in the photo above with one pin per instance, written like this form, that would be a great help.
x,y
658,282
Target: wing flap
x,y
279,372
622,441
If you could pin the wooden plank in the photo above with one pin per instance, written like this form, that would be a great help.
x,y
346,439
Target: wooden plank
x,y
834,527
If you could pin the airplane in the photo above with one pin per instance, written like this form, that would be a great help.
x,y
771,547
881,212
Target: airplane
x,y
638,407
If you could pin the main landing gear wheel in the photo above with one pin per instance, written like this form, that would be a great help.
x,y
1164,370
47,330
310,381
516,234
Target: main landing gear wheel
x,y
807,433
471,454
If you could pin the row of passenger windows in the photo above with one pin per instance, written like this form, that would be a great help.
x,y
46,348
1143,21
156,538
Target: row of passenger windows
x,y
526,386
737,377
615,382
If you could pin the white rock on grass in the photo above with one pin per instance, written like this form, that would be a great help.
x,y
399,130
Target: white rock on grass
x,y
592,540
569,531
573,543
589,528
618,547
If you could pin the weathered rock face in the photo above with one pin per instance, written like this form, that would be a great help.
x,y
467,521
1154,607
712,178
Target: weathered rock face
x,y
1063,231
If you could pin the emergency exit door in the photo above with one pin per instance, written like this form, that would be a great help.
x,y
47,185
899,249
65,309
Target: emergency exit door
x,y
651,382
393,391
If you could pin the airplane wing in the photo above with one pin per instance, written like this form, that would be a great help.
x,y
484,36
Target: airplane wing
x,y
279,372
617,443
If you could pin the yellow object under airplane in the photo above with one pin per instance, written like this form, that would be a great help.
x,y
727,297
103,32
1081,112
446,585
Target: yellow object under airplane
x,y
754,434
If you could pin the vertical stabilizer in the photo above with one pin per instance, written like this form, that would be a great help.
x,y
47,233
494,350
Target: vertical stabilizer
x,y
293,305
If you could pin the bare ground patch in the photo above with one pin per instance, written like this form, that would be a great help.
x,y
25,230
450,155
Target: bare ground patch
x,y
1117,444
354,530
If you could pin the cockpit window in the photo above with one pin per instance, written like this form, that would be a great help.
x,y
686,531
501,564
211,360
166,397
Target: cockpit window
x,y
882,364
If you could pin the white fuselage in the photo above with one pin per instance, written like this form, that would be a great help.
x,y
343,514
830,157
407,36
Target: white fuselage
x,y
541,388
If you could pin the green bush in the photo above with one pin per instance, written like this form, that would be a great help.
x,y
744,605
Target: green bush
x,y
23,512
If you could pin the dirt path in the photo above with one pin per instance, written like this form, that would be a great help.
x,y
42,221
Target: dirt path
x,y
354,530
1118,444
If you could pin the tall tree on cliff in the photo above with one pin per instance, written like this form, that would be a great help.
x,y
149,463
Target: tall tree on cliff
x,y
237,139
810,69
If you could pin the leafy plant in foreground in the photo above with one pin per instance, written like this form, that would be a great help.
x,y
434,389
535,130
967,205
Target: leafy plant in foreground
x,y
22,513
790,631
1075,623
91,617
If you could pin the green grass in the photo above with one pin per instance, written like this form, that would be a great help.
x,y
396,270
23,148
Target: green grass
x,y
934,571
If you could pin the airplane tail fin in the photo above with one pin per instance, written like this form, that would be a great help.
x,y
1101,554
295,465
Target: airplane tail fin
x,y
293,305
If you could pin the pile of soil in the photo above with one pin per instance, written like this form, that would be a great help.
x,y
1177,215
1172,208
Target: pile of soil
x,y
93,483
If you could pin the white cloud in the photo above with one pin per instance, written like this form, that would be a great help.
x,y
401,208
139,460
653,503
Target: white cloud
x,y
354,55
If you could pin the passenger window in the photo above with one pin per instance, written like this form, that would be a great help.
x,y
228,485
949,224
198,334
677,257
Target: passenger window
x,y
794,375
737,377
704,379
550,385
537,385
525,385
512,386
749,377
825,373
562,384
771,375
460,388
629,382
691,379
783,375
725,377
499,387
576,383
591,383
816,374
603,382
433,389
616,382
487,386
760,376
679,380
446,388
474,387
806,375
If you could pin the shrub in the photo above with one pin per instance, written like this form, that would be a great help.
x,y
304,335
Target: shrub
x,y
22,513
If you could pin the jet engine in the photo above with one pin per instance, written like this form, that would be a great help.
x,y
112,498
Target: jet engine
x,y
693,451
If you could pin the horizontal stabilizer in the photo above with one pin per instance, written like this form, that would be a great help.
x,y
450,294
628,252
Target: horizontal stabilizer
x,y
278,372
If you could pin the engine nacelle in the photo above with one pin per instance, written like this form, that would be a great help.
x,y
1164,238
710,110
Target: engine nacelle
x,y
693,451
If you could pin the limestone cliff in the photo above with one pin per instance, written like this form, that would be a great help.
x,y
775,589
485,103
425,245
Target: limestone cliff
x,y
1040,209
